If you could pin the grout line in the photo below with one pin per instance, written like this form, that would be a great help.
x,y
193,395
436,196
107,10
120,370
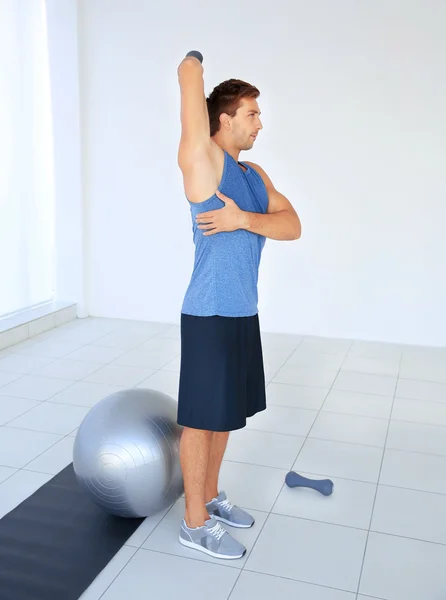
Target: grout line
x,y
136,550
310,429
311,583
277,496
223,563
377,486
281,489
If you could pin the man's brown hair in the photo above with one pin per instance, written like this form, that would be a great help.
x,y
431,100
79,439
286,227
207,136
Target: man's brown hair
x,y
226,98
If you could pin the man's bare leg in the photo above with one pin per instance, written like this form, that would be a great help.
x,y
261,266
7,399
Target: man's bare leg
x,y
195,447
218,446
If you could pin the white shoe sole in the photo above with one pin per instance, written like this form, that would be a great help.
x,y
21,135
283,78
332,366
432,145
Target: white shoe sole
x,y
206,551
232,524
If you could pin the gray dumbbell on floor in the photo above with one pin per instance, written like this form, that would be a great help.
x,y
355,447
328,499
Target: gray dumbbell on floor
x,y
323,486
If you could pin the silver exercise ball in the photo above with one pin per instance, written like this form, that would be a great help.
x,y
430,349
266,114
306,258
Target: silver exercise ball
x,y
126,453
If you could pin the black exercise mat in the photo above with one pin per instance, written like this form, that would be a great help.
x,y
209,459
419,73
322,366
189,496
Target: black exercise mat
x,y
57,541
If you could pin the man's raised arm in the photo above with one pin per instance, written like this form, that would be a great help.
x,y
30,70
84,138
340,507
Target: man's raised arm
x,y
195,130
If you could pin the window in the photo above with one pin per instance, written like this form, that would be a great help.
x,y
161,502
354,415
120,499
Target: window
x,y
26,158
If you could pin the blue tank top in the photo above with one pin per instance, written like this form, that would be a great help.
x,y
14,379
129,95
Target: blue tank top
x,y
226,265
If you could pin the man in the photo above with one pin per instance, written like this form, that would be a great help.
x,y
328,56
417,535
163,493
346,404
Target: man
x,y
234,207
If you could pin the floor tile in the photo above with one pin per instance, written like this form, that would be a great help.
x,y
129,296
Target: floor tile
x,y
165,537
424,372
416,437
410,513
265,587
263,448
166,576
373,366
163,381
78,335
85,393
368,349
295,396
6,472
350,504
119,375
49,348
35,387
305,375
51,418
350,428
18,487
109,324
146,359
271,369
421,390
6,378
10,408
357,403
276,355
349,461
106,577
172,332
325,345
149,328
125,340
280,340
301,356
368,384
94,327
251,486
424,354
414,471
55,459
309,551
419,411
96,354
63,368
21,364
173,365
160,344
355,406
20,446
397,568
145,529
281,419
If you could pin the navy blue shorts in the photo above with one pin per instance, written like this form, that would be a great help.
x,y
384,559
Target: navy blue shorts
x,y
222,380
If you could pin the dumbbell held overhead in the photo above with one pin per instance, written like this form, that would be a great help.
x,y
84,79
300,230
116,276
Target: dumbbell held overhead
x,y
195,54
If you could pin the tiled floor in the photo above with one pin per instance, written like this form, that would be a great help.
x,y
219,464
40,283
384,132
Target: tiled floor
x,y
370,416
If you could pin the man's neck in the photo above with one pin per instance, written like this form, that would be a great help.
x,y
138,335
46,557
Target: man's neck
x,y
234,152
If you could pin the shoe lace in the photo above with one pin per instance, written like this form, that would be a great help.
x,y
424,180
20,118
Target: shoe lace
x,y
227,505
217,531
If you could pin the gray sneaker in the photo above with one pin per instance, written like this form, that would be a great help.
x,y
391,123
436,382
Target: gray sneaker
x,y
213,539
228,513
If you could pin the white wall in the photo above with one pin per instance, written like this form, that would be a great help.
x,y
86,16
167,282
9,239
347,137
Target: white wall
x,y
353,97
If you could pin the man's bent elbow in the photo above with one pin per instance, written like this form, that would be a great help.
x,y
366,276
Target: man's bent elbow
x,y
297,229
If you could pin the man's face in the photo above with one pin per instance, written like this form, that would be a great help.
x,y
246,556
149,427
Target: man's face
x,y
246,124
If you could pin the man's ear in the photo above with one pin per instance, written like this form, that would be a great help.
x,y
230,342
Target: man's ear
x,y
225,121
